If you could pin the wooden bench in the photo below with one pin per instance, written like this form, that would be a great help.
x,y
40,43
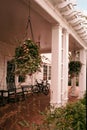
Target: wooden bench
x,y
12,96
3,97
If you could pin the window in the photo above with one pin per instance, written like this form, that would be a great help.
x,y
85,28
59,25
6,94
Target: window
x,y
10,78
44,72
49,73
21,78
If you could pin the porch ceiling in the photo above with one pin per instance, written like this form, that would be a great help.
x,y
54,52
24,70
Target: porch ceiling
x,y
10,16
10,27
13,19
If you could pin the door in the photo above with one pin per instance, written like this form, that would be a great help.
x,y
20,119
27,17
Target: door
x,y
10,78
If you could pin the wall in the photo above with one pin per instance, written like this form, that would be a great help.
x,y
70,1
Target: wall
x,y
6,53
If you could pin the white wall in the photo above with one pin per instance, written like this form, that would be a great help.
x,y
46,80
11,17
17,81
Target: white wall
x,y
6,53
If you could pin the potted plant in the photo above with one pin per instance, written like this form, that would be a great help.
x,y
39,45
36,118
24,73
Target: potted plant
x,y
74,70
27,58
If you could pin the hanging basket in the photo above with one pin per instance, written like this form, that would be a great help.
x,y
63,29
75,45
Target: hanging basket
x,y
74,68
27,58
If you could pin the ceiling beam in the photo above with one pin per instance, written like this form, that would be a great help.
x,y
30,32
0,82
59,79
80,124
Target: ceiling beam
x,y
66,3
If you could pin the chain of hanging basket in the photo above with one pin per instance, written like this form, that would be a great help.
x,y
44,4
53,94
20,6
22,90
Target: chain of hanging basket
x,y
27,55
29,24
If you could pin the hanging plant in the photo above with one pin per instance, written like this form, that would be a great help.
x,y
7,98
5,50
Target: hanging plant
x,y
74,68
27,58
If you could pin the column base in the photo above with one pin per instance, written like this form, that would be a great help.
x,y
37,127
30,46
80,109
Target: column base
x,y
55,105
64,102
81,94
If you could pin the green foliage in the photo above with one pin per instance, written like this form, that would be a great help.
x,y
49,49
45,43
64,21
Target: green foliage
x,y
27,58
84,100
74,68
21,78
71,117
77,112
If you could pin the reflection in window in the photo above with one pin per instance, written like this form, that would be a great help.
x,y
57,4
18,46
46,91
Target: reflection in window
x,y
21,78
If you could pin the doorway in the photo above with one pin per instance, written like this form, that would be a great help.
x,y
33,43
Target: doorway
x,y
10,78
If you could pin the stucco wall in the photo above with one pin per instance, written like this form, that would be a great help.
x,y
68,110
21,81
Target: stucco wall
x,y
6,53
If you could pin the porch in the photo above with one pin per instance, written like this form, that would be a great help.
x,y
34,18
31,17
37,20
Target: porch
x,y
30,110
57,32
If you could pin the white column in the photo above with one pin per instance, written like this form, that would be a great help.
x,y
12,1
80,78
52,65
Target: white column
x,y
65,51
82,76
55,99
86,68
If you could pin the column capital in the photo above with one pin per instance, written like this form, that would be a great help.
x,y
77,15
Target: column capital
x,y
83,49
65,31
57,26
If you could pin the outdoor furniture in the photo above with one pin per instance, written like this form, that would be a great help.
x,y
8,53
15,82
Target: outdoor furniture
x,y
12,96
3,97
15,94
